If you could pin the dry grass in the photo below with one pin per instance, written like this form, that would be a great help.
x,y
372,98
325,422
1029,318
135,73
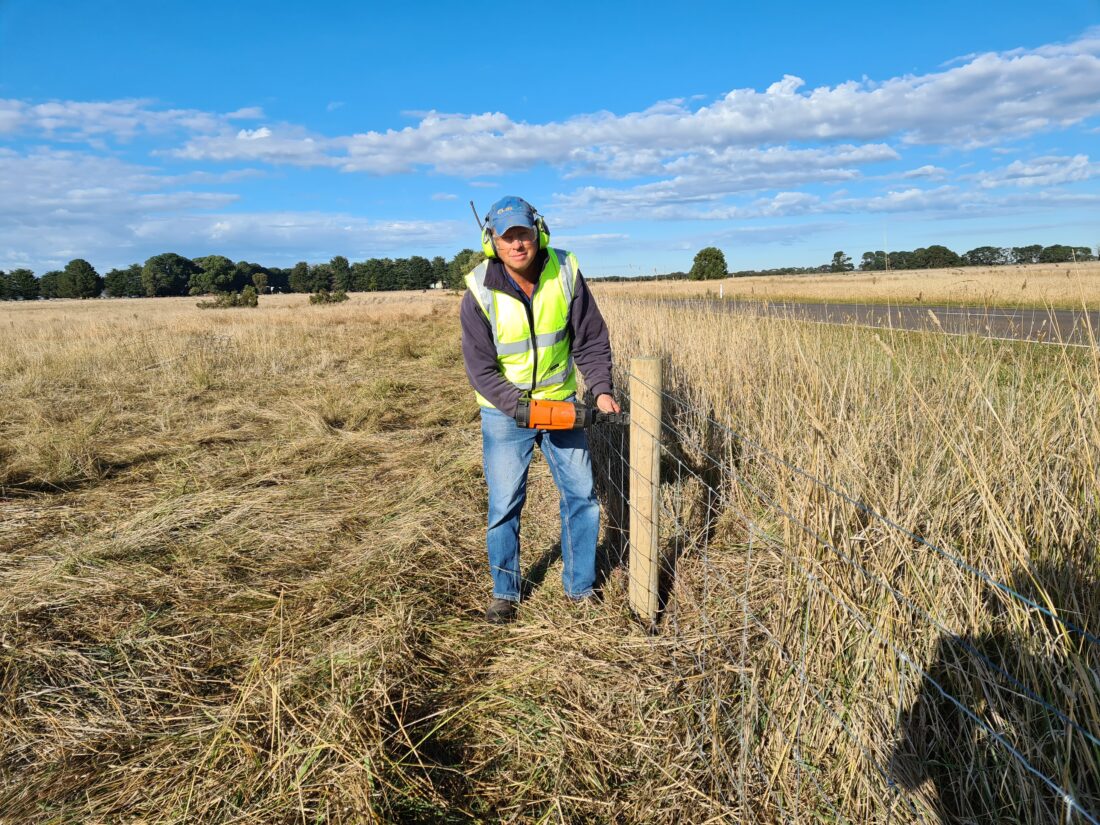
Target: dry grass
x,y
242,575
241,571
989,450
1033,285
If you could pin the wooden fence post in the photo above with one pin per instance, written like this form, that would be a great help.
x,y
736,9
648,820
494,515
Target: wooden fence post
x,y
645,483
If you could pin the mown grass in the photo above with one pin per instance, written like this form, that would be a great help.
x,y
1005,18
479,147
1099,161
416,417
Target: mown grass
x,y
242,575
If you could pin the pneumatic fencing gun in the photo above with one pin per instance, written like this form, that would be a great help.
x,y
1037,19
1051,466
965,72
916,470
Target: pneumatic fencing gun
x,y
537,414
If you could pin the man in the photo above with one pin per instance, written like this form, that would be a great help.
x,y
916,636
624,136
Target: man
x,y
528,322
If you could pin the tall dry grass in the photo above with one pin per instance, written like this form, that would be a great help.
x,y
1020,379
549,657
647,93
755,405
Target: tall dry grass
x,y
846,632
1070,286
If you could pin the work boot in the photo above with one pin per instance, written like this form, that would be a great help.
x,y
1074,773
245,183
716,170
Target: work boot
x,y
500,611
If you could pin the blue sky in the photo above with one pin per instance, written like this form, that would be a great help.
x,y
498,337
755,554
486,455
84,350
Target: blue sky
x,y
278,132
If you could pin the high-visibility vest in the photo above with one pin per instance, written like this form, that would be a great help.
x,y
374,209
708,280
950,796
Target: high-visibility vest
x,y
540,361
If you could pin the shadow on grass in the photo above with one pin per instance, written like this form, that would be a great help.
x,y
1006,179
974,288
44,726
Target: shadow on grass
x,y
536,573
98,471
1004,725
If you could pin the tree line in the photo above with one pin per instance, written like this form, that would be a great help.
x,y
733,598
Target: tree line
x,y
170,274
940,257
710,262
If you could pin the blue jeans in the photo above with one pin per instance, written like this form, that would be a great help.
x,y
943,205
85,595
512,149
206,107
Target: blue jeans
x,y
506,455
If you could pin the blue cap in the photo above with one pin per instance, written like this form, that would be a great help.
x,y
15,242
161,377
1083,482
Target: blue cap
x,y
510,211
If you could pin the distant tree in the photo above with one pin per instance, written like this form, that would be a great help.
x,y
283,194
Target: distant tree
x,y
48,284
320,277
1026,254
341,273
418,273
5,289
873,261
918,258
460,265
79,280
709,265
124,283
387,274
167,274
299,280
22,284
1082,253
439,270
360,277
986,256
278,280
1056,254
841,262
259,281
900,259
244,274
215,273
400,274
939,257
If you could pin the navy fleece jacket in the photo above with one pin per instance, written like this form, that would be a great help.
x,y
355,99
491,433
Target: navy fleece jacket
x,y
586,328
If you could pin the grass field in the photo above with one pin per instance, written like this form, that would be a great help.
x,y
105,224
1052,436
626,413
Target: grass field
x,y
1070,286
241,574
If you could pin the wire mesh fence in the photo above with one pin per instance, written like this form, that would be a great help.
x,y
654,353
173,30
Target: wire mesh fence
x,y
839,665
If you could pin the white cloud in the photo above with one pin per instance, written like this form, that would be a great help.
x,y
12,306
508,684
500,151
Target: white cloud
x,y
444,196
988,97
61,204
301,235
120,119
58,205
49,183
927,171
1050,170
704,183
592,240
724,173
281,145
644,202
784,235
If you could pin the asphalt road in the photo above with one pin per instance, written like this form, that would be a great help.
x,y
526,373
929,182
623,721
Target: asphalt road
x,y
1066,326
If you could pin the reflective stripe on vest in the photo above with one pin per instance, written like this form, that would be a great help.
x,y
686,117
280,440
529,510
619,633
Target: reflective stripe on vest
x,y
550,351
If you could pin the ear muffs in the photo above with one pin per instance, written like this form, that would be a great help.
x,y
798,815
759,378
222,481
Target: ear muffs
x,y
490,250
487,240
543,230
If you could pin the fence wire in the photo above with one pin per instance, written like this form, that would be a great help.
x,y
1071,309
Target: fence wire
x,y
826,680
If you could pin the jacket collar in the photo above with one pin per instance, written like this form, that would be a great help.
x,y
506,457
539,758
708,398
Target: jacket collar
x,y
496,278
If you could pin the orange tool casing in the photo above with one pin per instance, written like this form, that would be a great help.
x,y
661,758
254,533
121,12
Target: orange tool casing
x,y
537,414
550,415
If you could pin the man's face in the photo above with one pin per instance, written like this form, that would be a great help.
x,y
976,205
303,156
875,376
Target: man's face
x,y
517,247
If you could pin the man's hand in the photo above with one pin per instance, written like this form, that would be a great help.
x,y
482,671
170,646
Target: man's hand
x,y
605,403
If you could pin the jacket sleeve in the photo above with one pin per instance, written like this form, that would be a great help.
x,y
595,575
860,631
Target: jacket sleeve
x,y
591,342
480,357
